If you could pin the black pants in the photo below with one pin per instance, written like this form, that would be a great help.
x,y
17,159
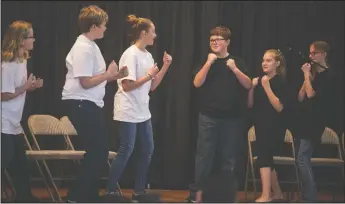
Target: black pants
x,y
88,120
215,135
13,159
268,145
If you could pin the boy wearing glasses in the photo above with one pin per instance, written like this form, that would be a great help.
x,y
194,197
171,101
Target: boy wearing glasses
x,y
222,84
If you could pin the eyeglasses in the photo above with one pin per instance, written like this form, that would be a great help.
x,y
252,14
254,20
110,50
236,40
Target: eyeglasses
x,y
216,40
30,37
314,53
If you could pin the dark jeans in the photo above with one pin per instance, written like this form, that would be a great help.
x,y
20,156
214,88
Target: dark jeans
x,y
88,120
128,132
215,135
13,159
305,152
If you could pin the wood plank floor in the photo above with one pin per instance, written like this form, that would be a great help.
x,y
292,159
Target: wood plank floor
x,y
178,196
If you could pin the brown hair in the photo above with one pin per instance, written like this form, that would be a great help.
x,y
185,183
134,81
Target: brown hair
x,y
91,15
17,32
221,31
138,25
322,46
278,56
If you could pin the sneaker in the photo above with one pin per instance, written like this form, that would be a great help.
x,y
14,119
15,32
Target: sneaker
x,y
191,197
115,197
146,197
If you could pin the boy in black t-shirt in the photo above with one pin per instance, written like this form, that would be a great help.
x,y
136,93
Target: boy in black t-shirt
x,y
222,85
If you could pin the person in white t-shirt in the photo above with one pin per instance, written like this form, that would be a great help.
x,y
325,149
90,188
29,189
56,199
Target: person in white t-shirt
x,y
18,41
131,109
82,97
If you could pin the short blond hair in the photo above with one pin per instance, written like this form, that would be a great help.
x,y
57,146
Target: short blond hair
x,y
91,15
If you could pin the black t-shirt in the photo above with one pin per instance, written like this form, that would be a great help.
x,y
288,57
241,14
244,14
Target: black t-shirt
x,y
314,112
264,112
221,95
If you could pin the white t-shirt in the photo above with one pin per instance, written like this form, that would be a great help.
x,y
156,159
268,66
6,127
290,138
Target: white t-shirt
x,y
133,106
14,75
84,60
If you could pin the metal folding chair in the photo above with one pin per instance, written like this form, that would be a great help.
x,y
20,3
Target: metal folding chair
x,y
329,137
70,131
44,125
280,160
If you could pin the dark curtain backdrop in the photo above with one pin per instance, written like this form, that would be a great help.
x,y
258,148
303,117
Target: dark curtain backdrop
x,y
183,30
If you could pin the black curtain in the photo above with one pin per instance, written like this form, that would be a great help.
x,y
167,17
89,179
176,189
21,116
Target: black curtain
x,y
183,30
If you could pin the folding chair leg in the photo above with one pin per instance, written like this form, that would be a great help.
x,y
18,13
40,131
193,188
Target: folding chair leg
x,y
254,182
52,181
246,182
298,183
4,190
45,181
10,183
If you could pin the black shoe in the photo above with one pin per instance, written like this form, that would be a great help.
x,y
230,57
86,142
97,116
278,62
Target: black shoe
x,y
146,197
191,197
115,197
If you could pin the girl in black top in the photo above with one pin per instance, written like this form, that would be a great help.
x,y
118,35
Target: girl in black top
x,y
313,111
268,97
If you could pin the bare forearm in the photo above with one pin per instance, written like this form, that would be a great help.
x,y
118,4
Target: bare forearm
x,y
301,93
129,85
158,78
89,82
274,100
9,96
201,75
243,79
250,98
308,87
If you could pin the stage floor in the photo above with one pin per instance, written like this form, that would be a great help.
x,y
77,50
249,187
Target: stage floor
x,y
178,196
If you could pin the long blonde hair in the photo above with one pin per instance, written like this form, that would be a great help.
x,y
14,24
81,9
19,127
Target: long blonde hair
x,y
17,32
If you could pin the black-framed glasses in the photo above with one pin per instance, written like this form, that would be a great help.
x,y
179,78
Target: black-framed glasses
x,y
216,40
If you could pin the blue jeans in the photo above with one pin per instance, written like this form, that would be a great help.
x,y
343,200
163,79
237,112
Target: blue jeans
x,y
305,151
128,132
215,134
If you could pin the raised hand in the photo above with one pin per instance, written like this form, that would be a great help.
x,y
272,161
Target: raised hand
x,y
211,58
153,71
255,82
167,59
306,67
30,84
39,83
265,81
123,72
231,64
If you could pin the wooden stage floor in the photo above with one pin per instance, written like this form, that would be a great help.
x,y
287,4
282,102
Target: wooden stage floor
x,y
178,196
